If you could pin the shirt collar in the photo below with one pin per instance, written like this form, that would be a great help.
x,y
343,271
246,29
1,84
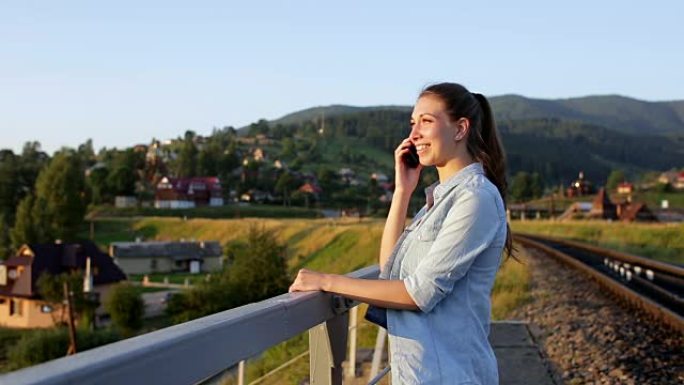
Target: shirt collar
x,y
435,191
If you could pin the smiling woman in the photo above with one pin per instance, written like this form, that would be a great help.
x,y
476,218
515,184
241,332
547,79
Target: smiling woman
x,y
437,274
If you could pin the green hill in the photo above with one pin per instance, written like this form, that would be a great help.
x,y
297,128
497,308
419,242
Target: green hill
x,y
614,112
316,113
556,147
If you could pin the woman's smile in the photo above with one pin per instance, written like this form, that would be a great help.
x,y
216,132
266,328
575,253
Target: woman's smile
x,y
422,148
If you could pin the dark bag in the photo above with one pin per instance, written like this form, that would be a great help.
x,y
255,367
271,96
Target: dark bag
x,y
377,315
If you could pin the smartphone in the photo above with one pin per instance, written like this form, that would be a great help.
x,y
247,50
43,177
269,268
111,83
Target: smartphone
x,y
411,158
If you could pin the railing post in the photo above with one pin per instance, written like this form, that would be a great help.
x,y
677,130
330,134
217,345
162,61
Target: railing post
x,y
351,368
241,373
327,350
377,354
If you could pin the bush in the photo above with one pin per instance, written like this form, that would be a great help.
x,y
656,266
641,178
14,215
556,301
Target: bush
x,y
40,346
256,271
126,308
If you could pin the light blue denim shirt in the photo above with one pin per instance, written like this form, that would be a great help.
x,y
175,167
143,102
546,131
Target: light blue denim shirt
x,y
448,258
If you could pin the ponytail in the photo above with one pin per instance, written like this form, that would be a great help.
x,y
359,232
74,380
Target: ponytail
x,y
492,156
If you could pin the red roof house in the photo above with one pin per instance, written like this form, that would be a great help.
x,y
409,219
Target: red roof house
x,y
179,193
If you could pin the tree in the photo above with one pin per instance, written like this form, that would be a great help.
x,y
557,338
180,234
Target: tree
x,y
288,148
285,184
5,240
97,182
124,169
10,187
536,186
86,152
121,181
31,162
260,127
51,289
258,268
187,158
521,187
24,230
59,206
126,308
614,179
209,159
256,271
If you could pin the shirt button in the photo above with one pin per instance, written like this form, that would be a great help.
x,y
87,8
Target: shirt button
x,y
420,237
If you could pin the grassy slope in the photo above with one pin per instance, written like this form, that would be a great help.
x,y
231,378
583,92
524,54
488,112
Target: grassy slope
x,y
659,241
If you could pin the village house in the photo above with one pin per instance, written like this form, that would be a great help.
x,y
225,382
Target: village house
x,y
21,305
673,178
256,196
348,177
580,187
181,193
125,201
166,257
625,188
603,208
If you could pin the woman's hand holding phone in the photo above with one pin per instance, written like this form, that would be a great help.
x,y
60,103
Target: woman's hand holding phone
x,y
407,167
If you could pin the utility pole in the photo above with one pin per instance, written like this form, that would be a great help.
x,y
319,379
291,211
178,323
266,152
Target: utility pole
x,y
70,314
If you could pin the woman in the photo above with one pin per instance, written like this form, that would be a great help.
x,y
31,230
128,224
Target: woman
x,y
439,271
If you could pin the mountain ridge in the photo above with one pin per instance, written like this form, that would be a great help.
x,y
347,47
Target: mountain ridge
x,y
616,112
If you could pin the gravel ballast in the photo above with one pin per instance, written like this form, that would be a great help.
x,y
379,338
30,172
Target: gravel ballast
x,y
589,337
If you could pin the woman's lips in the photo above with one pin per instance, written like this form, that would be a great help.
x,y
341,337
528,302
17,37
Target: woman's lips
x,y
421,148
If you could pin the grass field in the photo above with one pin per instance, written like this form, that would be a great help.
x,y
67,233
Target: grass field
x,y
663,242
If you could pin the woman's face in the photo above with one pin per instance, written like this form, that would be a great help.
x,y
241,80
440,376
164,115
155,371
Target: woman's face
x,y
432,132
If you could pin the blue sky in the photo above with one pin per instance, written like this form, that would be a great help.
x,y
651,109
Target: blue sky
x,y
124,72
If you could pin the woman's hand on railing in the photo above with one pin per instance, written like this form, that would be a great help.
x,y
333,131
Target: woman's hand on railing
x,y
308,280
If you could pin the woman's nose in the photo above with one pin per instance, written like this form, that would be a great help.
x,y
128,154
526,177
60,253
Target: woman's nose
x,y
415,131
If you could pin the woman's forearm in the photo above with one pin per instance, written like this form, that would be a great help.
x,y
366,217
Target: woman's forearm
x,y
394,226
379,292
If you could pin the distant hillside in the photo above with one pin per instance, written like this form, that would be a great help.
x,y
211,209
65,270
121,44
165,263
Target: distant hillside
x,y
611,111
558,149
615,112
315,113
556,138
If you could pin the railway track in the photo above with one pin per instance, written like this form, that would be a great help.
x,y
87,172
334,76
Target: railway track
x,y
652,286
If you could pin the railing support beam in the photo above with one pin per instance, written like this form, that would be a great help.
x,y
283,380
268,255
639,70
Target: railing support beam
x,y
327,348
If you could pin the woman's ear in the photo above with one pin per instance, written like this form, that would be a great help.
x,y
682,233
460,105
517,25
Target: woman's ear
x,y
462,128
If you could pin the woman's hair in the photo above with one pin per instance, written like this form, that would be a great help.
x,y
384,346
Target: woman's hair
x,y
483,142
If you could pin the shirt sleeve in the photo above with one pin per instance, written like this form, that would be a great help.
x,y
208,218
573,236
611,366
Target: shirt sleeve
x,y
468,229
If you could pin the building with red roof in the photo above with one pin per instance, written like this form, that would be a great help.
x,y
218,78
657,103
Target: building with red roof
x,y
181,193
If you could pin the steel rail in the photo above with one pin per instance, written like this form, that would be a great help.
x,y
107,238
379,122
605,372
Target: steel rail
x,y
630,296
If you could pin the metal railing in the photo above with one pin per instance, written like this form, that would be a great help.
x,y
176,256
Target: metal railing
x,y
197,350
